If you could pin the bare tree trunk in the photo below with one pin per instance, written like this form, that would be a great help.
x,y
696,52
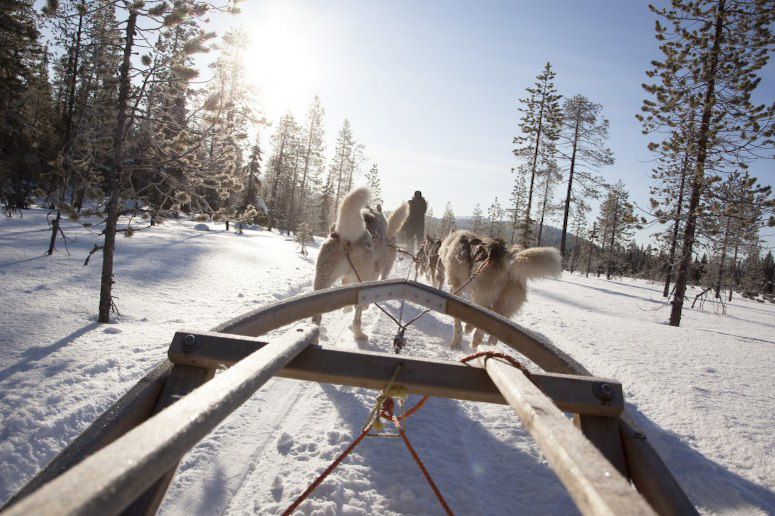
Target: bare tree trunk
x,y
570,189
699,174
275,180
720,277
575,252
68,123
676,223
591,246
733,282
339,180
611,247
114,175
533,166
302,190
543,207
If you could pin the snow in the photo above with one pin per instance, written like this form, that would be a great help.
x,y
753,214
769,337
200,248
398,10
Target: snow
x,y
703,392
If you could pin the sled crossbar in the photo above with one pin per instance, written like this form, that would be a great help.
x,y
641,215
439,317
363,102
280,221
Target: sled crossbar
x,y
123,465
438,378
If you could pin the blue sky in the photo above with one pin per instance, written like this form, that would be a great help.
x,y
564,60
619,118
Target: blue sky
x,y
431,88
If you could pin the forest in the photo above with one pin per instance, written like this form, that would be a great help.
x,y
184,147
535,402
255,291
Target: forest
x,y
108,119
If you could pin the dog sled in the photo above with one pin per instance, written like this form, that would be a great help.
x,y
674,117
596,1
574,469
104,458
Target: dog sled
x,y
124,462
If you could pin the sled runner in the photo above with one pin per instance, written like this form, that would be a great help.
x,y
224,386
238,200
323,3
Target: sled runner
x,y
124,462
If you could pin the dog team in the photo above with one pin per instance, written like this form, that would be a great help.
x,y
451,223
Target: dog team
x,y
362,247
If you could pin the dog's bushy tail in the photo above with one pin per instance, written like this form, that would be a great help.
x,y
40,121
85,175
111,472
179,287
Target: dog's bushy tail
x,y
350,224
536,262
397,219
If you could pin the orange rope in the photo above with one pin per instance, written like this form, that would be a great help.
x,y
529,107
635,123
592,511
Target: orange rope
x,y
495,354
387,413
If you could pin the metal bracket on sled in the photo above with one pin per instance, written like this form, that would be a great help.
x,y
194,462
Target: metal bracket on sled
x,y
407,292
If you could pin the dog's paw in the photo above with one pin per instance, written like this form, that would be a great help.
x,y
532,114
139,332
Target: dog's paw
x,y
317,318
358,333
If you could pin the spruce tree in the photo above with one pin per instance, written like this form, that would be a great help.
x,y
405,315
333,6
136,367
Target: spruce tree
x,y
477,221
517,202
583,140
312,159
494,219
448,222
374,183
616,222
712,53
540,128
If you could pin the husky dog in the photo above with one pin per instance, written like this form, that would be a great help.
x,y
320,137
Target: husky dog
x,y
500,273
428,263
362,233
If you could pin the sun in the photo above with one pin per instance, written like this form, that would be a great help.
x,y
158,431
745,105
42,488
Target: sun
x,y
280,61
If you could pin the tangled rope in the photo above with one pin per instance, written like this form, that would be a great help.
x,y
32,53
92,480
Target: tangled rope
x,y
503,356
384,408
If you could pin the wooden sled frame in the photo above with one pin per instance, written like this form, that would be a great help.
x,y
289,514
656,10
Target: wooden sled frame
x,y
124,462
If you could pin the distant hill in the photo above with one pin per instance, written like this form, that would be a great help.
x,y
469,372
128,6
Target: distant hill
x,y
550,236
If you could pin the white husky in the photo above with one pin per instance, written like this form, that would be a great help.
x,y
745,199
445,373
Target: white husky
x,y
500,272
363,233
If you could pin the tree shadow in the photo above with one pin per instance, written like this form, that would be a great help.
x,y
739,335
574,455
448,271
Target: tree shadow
x,y
710,485
574,303
614,293
737,336
31,355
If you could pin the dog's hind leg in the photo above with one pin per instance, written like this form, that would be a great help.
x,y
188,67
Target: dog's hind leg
x,y
327,269
457,333
369,275
347,280
356,326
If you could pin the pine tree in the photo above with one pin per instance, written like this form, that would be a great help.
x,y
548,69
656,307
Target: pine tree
x,y
540,129
312,159
580,211
340,164
768,274
583,142
616,222
373,182
549,175
430,223
477,221
26,110
713,51
180,36
668,194
281,169
448,223
517,203
494,219
304,237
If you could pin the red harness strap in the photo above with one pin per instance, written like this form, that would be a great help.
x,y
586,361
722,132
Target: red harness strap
x,y
387,412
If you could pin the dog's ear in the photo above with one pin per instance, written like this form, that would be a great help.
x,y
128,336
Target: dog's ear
x,y
379,208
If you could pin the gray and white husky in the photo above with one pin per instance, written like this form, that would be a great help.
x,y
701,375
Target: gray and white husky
x,y
501,282
368,237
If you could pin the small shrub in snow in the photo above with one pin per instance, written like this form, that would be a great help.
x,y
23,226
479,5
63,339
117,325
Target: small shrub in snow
x,y
202,227
304,237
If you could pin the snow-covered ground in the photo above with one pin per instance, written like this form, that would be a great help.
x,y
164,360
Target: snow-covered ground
x,y
704,393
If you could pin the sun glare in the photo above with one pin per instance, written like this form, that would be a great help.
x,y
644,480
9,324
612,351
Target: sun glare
x,y
280,61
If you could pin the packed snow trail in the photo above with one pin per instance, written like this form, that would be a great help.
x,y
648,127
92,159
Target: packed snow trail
x,y
704,393
469,448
